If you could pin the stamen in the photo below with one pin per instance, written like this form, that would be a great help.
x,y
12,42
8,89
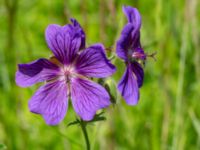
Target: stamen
x,y
139,55
142,56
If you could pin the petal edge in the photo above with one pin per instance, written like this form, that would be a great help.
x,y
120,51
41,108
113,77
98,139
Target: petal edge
x,y
88,97
128,87
92,62
51,102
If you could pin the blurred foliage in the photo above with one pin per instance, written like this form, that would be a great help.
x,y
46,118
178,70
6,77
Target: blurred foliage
x,y
168,114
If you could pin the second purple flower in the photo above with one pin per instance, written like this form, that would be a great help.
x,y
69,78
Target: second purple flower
x,y
130,50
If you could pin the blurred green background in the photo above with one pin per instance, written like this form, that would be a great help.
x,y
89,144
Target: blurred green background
x,y
168,114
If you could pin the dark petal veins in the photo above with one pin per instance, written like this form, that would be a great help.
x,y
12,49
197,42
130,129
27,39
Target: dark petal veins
x,y
88,97
92,62
124,44
51,33
136,40
33,68
36,71
65,41
128,87
59,41
80,32
133,16
51,102
138,71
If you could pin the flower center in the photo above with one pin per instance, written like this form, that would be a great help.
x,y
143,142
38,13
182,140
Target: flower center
x,y
139,55
67,72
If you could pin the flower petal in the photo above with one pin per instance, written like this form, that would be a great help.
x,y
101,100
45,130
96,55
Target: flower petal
x,y
139,73
124,44
59,41
80,32
50,101
36,71
65,41
88,97
128,87
92,62
133,16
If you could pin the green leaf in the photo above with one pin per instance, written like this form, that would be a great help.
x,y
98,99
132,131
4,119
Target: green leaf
x,y
97,117
77,121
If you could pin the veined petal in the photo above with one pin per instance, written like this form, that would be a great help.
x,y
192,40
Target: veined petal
x,y
133,16
92,62
88,97
65,41
59,41
125,43
51,33
79,31
51,102
128,87
136,40
36,71
139,73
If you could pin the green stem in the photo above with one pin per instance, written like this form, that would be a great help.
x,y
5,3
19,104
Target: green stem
x,y
83,127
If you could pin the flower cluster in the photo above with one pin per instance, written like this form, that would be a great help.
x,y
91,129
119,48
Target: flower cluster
x,y
67,74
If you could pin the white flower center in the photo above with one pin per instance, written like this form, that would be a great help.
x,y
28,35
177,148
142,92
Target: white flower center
x,y
67,72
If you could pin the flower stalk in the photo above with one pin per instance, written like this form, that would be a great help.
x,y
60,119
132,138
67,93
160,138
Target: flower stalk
x,y
83,125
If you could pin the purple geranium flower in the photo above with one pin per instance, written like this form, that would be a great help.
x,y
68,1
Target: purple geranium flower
x,y
66,75
129,49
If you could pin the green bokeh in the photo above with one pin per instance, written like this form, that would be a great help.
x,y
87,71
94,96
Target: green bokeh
x,y
167,116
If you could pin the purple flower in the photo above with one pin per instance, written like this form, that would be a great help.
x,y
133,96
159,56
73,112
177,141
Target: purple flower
x,y
129,49
66,75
